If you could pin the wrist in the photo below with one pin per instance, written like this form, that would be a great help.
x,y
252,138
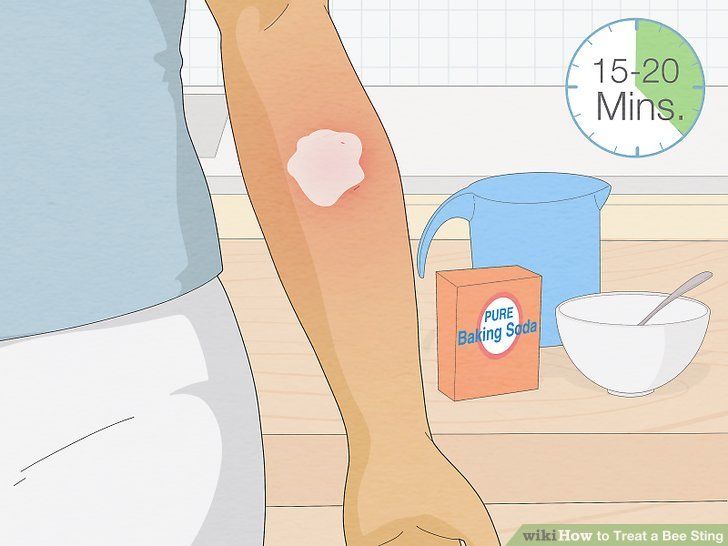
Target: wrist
x,y
389,415
393,433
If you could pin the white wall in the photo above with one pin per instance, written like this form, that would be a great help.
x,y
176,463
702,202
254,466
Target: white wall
x,y
477,131
470,132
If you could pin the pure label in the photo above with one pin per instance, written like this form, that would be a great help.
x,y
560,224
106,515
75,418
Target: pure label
x,y
499,327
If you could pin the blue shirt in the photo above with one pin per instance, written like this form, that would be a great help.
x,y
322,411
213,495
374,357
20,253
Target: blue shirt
x,y
104,209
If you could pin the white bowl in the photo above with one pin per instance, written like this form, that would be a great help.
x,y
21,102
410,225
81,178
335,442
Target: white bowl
x,y
601,336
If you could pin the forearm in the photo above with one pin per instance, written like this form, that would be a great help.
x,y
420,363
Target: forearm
x,y
347,267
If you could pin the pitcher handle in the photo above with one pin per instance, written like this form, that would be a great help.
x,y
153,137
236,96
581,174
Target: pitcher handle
x,y
459,205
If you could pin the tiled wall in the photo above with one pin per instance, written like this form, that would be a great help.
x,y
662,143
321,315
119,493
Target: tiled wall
x,y
200,47
476,42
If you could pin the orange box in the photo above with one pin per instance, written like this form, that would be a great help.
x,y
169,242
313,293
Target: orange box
x,y
488,331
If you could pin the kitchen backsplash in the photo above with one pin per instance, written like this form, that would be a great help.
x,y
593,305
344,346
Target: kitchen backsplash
x,y
475,42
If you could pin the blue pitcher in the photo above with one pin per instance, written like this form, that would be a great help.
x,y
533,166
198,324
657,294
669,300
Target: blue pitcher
x,y
546,222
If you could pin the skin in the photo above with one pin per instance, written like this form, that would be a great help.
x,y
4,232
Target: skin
x,y
347,269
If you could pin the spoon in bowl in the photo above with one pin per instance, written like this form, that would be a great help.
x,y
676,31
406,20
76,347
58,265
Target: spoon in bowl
x,y
687,286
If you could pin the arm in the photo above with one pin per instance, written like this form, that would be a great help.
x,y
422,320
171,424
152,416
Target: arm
x,y
347,267
344,258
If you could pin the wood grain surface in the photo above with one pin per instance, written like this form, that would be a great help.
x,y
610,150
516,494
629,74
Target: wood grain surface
x,y
309,470
295,398
323,527
568,442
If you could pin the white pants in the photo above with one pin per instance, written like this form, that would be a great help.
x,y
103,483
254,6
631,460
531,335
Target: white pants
x,y
140,430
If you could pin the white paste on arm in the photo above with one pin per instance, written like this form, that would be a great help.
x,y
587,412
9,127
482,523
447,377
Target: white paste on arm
x,y
326,165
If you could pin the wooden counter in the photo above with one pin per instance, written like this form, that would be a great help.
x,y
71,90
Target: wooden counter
x,y
577,449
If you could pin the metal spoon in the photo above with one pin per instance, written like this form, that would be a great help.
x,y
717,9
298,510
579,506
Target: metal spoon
x,y
691,283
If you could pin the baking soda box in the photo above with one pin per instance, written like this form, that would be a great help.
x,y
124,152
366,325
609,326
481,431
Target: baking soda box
x,y
488,331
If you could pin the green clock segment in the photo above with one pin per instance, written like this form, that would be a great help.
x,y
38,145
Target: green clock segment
x,y
635,87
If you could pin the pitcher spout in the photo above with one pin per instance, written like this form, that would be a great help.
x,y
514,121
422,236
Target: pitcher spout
x,y
602,195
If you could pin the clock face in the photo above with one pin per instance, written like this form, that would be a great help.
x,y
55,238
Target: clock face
x,y
635,87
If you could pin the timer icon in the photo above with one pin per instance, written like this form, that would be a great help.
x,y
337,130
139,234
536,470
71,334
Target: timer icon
x,y
635,87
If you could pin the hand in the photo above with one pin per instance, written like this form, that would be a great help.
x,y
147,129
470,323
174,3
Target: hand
x,y
409,494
